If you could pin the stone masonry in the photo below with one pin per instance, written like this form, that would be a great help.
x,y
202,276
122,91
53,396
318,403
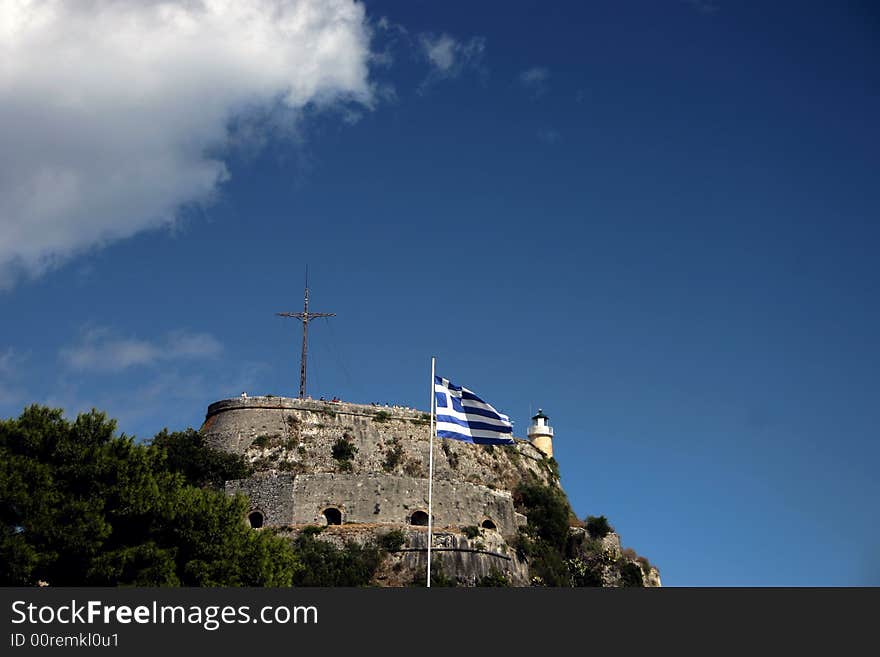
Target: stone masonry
x,y
298,481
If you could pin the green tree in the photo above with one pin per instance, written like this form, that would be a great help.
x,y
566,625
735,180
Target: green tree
x,y
324,564
631,574
547,510
80,505
187,453
598,526
544,541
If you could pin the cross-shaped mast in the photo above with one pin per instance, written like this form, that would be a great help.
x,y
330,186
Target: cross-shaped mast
x,y
306,317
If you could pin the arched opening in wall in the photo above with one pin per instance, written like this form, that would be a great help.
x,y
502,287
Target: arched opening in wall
x,y
255,519
488,524
332,515
419,519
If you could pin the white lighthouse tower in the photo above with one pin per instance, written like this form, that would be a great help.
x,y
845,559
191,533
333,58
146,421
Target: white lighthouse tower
x,y
541,433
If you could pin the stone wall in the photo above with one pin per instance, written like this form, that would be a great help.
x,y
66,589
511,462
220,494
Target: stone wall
x,y
286,499
294,435
466,560
290,443
270,493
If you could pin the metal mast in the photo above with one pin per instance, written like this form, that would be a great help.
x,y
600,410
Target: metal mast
x,y
305,316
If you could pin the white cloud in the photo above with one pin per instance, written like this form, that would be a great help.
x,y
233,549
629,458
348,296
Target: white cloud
x,y
441,51
535,79
114,113
448,56
100,350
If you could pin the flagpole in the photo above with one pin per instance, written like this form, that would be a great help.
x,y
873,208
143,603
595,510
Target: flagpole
x,y
431,475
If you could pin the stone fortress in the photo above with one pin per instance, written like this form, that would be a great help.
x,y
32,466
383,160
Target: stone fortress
x,y
362,470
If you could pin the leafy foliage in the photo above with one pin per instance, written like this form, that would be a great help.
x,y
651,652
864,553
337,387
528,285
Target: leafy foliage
x,y
262,441
598,526
544,540
413,468
495,578
186,453
451,454
631,574
392,541
471,531
553,468
547,510
324,564
82,506
439,578
584,572
558,557
546,561
344,451
393,456
589,560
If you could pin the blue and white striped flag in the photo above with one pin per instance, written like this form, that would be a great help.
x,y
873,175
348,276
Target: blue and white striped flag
x,y
464,416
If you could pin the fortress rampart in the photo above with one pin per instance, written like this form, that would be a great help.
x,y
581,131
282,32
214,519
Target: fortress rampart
x,y
285,499
297,436
380,483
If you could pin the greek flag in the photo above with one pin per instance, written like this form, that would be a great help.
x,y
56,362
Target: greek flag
x,y
462,415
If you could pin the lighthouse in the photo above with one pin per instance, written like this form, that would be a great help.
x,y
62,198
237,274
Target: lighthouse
x,y
541,433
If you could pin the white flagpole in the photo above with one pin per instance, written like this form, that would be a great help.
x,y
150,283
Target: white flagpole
x,y
431,474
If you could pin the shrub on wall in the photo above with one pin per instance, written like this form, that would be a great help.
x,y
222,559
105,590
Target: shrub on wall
x,y
414,469
393,457
631,574
471,531
544,539
392,541
584,571
589,560
598,526
559,557
438,576
343,451
553,468
451,455
495,578
262,441
547,510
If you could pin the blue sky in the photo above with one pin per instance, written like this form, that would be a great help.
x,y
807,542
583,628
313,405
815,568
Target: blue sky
x,y
657,221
